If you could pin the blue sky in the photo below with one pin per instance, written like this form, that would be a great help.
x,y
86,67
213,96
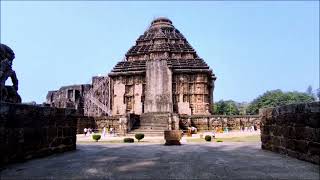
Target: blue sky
x,y
252,47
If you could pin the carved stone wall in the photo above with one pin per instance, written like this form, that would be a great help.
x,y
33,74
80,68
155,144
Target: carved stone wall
x,y
127,94
293,130
210,122
191,93
28,131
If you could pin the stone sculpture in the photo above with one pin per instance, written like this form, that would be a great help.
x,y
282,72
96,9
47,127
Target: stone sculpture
x,y
8,93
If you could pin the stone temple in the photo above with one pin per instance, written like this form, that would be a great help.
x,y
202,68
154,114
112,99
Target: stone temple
x,y
160,76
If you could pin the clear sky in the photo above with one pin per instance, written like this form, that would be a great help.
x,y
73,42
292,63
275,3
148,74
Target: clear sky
x,y
252,47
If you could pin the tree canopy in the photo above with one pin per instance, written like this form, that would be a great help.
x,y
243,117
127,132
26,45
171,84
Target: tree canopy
x,y
277,98
226,108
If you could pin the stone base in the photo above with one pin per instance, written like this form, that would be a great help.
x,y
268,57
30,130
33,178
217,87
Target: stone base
x,y
172,142
155,120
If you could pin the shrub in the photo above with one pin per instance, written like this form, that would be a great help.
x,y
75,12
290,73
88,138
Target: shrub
x,y
207,138
219,140
128,140
96,137
139,136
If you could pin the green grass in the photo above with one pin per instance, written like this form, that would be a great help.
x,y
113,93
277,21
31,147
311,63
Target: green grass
x,y
254,138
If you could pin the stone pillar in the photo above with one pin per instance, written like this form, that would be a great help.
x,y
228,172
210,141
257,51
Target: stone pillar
x,y
158,87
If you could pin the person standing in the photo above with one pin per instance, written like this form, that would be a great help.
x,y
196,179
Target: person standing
x,y
85,130
104,132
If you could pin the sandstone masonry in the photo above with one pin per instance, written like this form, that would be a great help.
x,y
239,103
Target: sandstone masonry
x,y
28,131
293,130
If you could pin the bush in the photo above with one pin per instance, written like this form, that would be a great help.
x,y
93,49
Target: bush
x,y
128,140
207,138
139,136
96,137
219,140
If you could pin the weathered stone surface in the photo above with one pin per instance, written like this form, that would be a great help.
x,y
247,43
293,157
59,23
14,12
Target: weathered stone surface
x,y
297,128
30,131
172,137
158,87
210,122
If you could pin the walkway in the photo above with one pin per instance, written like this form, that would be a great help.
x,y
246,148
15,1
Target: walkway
x,y
155,161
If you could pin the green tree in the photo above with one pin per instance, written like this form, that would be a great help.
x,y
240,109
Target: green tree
x,y
309,90
226,108
277,98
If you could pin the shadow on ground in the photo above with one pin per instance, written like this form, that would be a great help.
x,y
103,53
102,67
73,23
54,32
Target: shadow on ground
x,y
155,161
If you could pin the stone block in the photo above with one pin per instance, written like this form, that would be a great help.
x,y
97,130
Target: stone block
x,y
291,144
265,138
275,141
293,153
283,142
301,146
299,133
314,148
313,121
314,107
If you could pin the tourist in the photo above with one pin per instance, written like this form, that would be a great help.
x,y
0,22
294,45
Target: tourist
x,y
213,134
252,129
193,130
104,132
85,131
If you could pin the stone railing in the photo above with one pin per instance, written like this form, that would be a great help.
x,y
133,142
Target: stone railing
x,y
293,130
28,131
209,122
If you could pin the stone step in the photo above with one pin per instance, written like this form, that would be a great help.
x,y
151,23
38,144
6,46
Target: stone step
x,y
149,128
146,134
152,125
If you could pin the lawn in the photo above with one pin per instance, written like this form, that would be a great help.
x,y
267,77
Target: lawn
x,y
253,138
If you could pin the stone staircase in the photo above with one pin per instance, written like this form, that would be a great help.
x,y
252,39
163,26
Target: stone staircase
x,y
151,124
149,130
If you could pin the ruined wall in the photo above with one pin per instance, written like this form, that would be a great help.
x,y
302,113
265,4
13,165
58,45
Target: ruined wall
x,y
210,122
158,87
28,131
68,96
293,130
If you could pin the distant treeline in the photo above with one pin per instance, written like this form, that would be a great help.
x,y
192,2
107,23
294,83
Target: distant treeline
x,y
268,99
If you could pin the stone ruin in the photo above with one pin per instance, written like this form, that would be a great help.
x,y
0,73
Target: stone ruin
x,y
161,75
8,93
